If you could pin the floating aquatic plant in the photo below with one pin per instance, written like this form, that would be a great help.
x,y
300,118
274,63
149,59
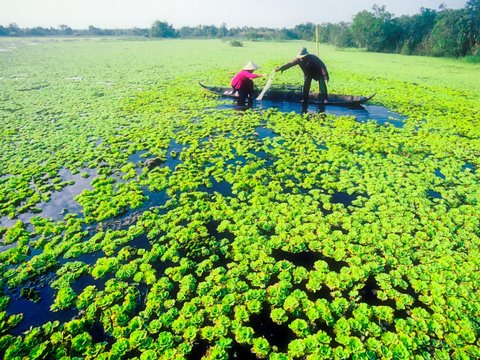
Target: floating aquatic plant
x,y
207,231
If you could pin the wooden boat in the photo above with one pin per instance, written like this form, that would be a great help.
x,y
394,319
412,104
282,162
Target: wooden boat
x,y
294,94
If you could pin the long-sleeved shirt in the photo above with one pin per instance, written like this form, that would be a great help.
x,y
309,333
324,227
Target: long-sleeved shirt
x,y
240,78
311,66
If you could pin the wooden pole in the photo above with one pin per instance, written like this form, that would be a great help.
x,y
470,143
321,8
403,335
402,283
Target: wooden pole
x,y
316,39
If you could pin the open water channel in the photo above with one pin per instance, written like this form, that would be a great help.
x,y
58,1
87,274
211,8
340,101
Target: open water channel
x,y
364,113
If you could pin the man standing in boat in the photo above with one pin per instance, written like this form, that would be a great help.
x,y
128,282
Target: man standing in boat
x,y
313,68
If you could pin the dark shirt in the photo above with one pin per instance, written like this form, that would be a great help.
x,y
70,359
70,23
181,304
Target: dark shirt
x,y
311,66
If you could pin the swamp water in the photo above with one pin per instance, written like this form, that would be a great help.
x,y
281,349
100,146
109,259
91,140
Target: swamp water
x,y
362,114
61,201
37,313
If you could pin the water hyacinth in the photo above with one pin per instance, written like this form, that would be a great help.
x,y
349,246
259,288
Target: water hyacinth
x,y
184,228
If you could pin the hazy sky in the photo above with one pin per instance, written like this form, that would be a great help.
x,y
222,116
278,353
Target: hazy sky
x,y
79,14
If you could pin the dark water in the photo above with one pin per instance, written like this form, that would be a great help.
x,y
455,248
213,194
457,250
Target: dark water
x,y
439,174
468,166
173,154
277,335
307,259
223,187
264,132
37,313
138,156
434,194
61,202
343,198
364,113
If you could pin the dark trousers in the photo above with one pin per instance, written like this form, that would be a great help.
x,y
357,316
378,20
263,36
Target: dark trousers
x,y
322,89
245,92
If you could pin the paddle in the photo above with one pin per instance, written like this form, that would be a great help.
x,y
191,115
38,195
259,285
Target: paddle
x,y
267,85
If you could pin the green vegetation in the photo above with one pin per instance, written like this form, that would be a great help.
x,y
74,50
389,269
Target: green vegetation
x,y
236,43
443,32
218,241
162,29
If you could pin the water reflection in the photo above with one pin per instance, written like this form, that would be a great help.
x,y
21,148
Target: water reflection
x,y
362,113
138,156
61,202
37,313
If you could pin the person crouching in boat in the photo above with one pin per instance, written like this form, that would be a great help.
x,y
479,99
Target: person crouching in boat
x,y
243,83
313,68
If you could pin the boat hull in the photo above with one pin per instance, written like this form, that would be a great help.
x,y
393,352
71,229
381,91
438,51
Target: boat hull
x,y
294,95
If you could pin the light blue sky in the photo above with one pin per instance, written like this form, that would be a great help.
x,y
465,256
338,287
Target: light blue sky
x,y
79,14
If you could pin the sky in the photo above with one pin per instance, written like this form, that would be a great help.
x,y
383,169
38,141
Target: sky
x,y
113,14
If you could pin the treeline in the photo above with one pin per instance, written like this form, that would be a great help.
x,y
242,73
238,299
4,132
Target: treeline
x,y
439,33
443,32
65,30
162,29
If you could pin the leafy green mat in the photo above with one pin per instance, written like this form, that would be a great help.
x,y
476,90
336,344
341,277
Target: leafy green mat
x,y
231,230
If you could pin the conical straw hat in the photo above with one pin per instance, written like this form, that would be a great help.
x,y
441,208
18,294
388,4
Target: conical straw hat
x,y
250,66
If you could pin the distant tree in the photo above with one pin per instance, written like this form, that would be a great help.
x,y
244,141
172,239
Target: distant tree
x,y
92,30
185,31
305,31
473,18
361,27
37,31
139,32
198,31
210,31
449,36
341,36
207,31
327,32
222,31
288,34
3,31
416,30
253,35
14,30
65,29
162,30
376,31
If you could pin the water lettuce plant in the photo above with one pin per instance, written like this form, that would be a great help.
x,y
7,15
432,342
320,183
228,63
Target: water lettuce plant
x,y
205,232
